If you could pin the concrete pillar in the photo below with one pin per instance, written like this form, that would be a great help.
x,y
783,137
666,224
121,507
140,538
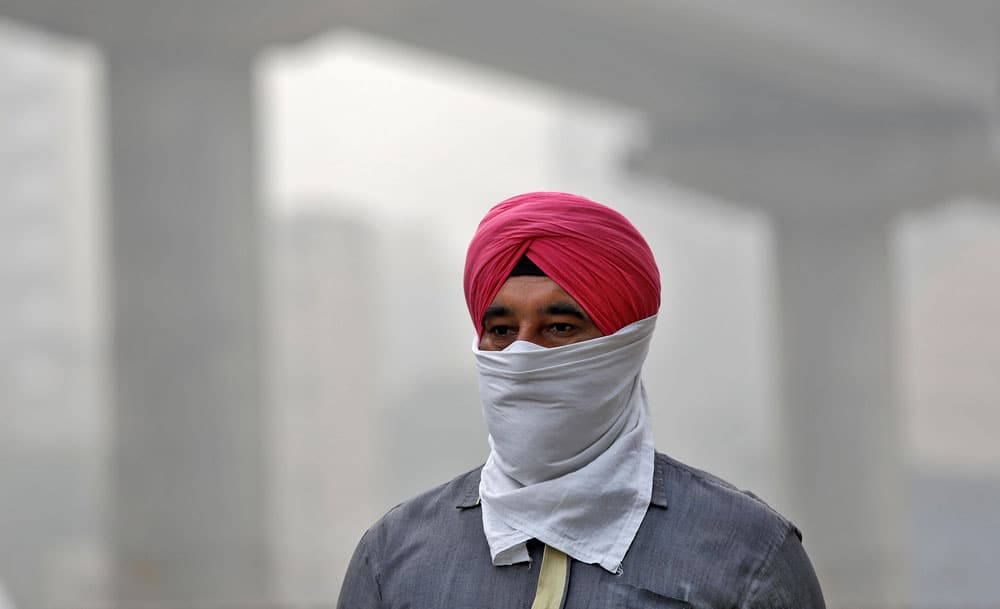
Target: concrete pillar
x,y
842,452
189,517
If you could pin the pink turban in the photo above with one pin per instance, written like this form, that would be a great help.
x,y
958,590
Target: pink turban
x,y
591,251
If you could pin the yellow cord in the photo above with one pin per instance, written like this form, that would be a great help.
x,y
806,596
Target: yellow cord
x,y
551,580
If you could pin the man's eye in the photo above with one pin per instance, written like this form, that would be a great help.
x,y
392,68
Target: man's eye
x,y
561,328
501,330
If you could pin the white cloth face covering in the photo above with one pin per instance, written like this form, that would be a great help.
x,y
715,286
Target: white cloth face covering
x,y
571,448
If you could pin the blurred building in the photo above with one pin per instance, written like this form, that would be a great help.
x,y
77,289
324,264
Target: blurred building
x,y
323,414
368,408
949,290
430,425
52,397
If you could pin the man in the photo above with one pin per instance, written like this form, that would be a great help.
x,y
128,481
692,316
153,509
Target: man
x,y
573,508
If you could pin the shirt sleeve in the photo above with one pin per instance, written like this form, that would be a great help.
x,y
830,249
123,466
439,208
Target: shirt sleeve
x,y
786,580
360,589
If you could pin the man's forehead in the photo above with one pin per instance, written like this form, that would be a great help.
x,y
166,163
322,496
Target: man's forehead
x,y
532,293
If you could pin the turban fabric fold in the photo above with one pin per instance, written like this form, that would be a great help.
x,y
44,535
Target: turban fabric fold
x,y
590,250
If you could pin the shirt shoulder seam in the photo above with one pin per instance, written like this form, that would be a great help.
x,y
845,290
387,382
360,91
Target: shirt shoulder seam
x,y
753,582
715,482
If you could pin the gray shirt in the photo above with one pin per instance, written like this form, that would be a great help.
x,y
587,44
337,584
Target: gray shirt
x,y
702,544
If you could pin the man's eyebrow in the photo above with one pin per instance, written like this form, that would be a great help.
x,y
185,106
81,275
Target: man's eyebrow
x,y
496,311
564,308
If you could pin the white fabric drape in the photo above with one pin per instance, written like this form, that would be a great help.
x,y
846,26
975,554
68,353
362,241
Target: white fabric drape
x,y
571,448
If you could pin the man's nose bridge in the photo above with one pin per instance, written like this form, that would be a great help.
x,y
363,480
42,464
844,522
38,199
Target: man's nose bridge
x,y
529,333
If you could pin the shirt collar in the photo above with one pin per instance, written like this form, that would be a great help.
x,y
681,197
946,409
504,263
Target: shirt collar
x,y
469,496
